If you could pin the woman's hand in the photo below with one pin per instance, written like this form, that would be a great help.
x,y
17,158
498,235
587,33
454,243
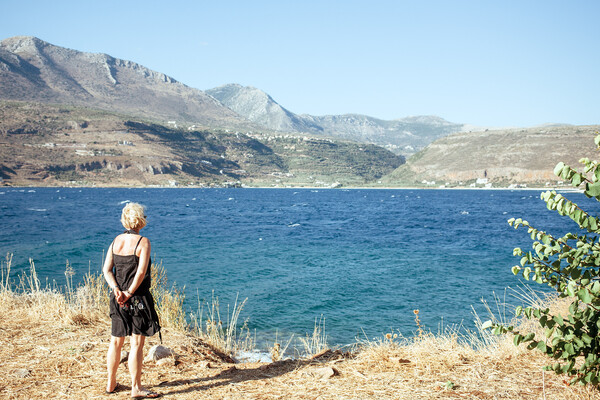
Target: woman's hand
x,y
124,297
120,296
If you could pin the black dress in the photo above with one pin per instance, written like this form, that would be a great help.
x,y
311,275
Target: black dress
x,y
138,315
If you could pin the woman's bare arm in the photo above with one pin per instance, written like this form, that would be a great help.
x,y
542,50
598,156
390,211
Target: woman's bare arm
x,y
107,270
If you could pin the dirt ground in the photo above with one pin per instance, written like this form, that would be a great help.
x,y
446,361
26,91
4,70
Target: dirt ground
x,y
45,356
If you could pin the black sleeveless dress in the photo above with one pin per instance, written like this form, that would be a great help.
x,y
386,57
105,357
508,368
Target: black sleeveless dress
x,y
138,315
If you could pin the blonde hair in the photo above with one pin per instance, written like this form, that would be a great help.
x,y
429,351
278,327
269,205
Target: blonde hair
x,y
133,216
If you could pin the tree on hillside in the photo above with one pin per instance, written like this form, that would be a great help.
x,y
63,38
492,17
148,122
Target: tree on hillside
x,y
571,265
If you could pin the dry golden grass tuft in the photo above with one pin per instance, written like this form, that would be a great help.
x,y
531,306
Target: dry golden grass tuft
x,y
53,345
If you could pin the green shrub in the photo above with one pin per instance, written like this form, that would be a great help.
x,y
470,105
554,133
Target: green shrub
x,y
571,265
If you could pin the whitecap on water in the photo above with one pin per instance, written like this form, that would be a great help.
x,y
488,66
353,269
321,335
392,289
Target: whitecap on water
x,y
464,213
194,199
38,209
31,191
231,198
293,225
253,356
124,201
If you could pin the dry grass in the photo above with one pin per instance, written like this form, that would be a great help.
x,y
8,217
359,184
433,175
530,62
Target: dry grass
x,y
53,348
223,335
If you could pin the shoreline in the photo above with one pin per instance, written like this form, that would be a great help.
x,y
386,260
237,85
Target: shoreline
x,y
556,188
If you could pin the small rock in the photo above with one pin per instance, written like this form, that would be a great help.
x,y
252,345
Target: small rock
x,y
399,360
124,356
324,372
22,373
229,370
166,361
86,346
158,352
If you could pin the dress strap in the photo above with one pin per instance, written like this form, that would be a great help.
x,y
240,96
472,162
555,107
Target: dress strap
x,y
134,250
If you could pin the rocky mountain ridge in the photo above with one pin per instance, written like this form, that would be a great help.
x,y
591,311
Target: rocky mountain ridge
x,y
34,70
403,136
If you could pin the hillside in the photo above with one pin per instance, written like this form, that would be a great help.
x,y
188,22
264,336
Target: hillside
x,y
503,157
403,136
61,145
34,70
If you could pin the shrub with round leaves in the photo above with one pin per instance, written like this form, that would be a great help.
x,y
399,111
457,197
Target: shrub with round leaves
x,y
571,265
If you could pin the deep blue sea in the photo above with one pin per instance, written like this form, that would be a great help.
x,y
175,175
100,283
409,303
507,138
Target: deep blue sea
x,y
363,259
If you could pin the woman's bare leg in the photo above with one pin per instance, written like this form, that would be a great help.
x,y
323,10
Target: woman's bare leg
x,y
136,357
113,357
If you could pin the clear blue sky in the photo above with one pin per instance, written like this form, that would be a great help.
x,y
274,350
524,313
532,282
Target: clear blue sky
x,y
488,63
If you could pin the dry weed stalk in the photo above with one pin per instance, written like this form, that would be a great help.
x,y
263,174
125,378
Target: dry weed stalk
x,y
225,338
317,342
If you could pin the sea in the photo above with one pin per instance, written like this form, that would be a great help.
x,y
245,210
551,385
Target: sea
x,y
356,262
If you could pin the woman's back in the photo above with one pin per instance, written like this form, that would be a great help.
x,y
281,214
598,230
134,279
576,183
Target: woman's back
x,y
126,255
127,244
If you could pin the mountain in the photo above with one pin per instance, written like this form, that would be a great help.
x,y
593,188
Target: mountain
x,y
260,108
34,70
403,136
500,157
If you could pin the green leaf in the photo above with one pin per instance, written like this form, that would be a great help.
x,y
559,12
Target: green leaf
x,y
518,311
584,295
518,339
558,319
558,169
592,190
595,289
576,180
541,346
569,348
486,325
593,224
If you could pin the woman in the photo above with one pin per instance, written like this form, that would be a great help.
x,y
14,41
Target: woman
x,y
127,271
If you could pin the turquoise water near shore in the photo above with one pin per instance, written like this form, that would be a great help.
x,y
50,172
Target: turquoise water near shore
x,y
364,259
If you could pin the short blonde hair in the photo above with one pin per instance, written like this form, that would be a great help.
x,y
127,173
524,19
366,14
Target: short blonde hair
x,y
133,216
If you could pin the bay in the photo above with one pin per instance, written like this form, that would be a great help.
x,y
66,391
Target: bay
x,y
364,259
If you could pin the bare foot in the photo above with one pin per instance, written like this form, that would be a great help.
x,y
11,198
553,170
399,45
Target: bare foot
x,y
144,394
113,389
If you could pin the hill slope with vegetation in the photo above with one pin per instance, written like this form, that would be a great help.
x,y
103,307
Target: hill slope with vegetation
x,y
498,157
49,145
